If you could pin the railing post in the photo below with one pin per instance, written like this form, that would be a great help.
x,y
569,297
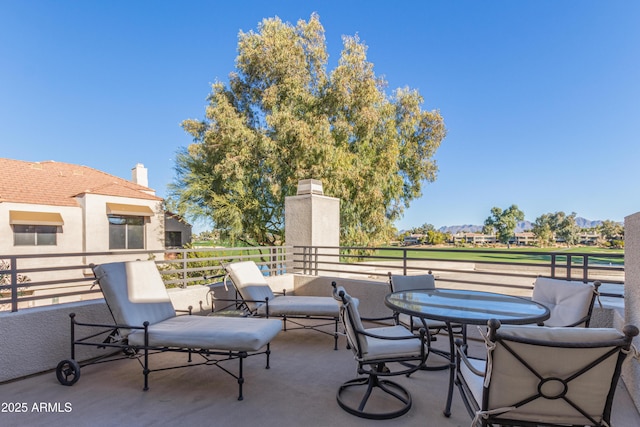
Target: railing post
x,y
568,267
585,268
315,261
404,261
14,283
184,269
553,266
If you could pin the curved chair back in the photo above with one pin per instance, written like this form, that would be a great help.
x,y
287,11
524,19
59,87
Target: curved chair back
x,y
134,292
570,302
399,282
550,376
352,322
250,283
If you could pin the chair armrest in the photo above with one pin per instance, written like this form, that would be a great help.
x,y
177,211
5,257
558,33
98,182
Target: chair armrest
x,y
461,356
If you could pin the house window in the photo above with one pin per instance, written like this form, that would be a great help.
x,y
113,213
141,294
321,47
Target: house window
x,y
126,232
173,239
35,235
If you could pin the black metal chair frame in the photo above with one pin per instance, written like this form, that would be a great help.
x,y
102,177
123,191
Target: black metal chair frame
x,y
376,371
68,370
456,329
620,350
242,305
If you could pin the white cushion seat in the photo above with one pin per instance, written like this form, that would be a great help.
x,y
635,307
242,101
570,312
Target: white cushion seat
x,y
378,348
213,333
292,305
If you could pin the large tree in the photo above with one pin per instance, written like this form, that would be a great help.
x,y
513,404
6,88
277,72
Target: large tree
x,y
503,222
543,229
283,117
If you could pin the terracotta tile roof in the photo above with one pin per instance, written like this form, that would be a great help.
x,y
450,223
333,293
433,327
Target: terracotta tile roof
x,y
54,183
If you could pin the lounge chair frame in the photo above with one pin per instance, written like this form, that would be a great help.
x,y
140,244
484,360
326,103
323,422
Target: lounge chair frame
x,y
68,370
250,308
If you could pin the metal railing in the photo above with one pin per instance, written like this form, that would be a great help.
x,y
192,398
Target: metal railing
x,y
57,278
467,266
44,279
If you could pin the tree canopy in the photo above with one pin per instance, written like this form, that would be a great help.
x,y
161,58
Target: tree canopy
x,y
283,117
503,223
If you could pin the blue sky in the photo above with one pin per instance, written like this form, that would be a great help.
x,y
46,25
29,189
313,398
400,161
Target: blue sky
x,y
541,98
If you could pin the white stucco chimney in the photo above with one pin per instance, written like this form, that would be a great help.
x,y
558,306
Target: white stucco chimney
x,y
139,175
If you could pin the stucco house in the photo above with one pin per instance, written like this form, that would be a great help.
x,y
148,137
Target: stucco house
x,y
51,207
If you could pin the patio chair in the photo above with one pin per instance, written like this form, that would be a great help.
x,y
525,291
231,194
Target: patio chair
x,y
543,376
570,302
374,349
399,283
146,323
257,299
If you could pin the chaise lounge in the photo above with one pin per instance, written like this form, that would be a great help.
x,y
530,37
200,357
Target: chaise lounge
x,y
146,323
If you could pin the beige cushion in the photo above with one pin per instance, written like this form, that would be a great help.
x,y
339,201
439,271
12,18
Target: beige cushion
x,y
352,315
250,282
568,301
383,349
475,382
213,333
135,292
409,283
302,306
511,381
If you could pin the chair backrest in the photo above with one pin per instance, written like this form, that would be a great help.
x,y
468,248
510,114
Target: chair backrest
x,y
554,375
570,302
408,283
249,282
351,321
134,292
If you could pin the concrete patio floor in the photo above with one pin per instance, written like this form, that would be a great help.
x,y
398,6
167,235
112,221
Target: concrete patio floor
x,y
298,390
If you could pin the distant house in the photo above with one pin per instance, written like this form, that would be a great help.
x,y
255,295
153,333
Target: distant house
x,y
177,231
52,207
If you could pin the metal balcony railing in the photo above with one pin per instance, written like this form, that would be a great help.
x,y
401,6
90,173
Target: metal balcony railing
x,y
464,266
43,279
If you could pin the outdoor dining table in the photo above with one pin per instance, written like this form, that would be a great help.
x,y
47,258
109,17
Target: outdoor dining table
x,y
465,307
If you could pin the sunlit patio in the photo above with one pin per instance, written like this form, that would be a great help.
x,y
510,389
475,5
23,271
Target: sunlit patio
x,y
299,389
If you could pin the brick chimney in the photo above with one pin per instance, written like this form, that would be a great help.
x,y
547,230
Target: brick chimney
x,y
139,175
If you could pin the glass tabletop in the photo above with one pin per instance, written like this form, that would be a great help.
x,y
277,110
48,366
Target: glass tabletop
x,y
466,306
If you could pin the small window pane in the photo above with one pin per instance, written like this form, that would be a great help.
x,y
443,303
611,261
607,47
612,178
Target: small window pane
x,y
24,235
46,235
117,235
173,239
135,236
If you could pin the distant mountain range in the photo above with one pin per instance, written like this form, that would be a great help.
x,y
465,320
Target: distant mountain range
x,y
522,226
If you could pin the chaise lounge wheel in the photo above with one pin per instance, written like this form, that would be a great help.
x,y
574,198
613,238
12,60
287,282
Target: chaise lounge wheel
x,y
68,372
399,396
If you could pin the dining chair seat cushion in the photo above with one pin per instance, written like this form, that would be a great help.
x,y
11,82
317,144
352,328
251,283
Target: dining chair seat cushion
x,y
384,349
302,306
208,332
567,301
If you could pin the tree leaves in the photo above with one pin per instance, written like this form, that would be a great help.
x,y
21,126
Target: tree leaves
x,y
283,117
